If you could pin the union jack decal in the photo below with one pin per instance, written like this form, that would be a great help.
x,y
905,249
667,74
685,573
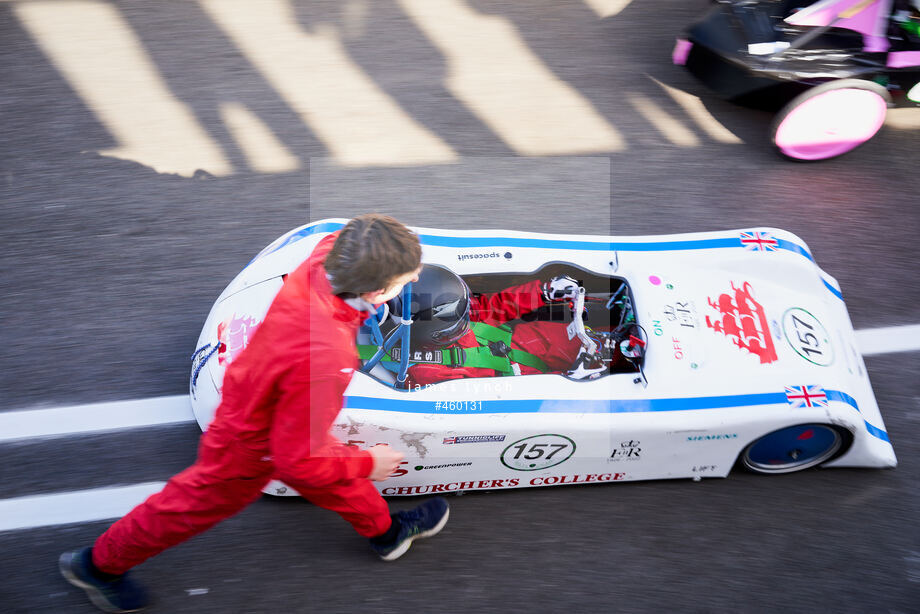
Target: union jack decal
x,y
450,440
757,241
806,396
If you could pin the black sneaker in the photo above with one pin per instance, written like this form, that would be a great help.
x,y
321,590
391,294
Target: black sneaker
x,y
108,593
424,521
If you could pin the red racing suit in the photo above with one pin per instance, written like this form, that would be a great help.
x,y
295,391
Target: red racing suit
x,y
280,398
546,340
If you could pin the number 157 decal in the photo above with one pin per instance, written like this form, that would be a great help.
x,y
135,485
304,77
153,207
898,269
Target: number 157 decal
x,y
807,337
538,452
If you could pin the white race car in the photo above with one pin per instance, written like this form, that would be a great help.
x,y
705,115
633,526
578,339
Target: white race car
x,y
738,350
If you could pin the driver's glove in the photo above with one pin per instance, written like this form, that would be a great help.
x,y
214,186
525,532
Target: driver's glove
x,y
561,288
587,366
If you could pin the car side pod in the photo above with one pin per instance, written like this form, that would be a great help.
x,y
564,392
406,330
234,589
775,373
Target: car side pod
x,y
830,120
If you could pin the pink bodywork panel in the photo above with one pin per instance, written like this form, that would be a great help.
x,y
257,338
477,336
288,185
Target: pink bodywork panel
x,y
871,21
902,59
681,51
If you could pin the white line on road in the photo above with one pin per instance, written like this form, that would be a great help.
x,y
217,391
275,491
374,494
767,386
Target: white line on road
x,y
871,341
71,507
104,503
138,413
94,417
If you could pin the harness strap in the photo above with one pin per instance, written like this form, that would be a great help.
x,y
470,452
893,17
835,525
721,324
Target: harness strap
x,y
481,357
449,357
528,360
366,352
486,333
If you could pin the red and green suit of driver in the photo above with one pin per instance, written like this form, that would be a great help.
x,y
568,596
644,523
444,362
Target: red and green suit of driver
x,y
548,342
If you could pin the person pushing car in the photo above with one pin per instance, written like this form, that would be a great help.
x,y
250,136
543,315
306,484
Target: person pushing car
x,y
280,397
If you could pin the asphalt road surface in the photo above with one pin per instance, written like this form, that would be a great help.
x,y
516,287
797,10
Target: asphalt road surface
x,y
149,150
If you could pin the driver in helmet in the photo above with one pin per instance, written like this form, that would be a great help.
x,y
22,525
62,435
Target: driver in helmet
x,y
464,335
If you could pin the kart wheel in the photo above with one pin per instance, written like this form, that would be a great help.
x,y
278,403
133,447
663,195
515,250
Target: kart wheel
x,y
793,448
830,119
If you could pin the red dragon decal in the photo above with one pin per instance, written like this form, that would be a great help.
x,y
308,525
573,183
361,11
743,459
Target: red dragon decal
x,y
744,321
233,335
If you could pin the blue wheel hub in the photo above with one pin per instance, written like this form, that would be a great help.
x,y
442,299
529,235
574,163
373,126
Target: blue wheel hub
x,y
793,448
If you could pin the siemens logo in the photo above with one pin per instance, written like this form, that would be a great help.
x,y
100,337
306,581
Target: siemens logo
x,y
712,437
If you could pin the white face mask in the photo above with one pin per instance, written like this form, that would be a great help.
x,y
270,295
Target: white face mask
x,y
360,304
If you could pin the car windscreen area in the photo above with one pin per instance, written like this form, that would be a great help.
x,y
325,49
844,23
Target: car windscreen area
x,y
599,291
514,329
615,342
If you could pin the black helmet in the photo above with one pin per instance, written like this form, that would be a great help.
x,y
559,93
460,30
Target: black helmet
x,y
440,307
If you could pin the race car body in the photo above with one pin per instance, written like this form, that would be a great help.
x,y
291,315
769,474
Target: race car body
x,y
742,351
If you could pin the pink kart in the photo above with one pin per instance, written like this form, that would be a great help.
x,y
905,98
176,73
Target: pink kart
x,y
831,67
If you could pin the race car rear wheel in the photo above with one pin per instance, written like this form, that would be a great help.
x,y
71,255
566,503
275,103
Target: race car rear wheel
x,y
793,448
829,120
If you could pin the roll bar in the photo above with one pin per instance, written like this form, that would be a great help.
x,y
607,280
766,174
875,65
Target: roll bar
x,y
401,333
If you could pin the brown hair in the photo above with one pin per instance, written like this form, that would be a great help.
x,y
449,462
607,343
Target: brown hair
x,y
371,251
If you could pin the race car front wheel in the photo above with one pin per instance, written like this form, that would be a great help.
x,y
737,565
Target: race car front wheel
x,y
830,119
793,448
